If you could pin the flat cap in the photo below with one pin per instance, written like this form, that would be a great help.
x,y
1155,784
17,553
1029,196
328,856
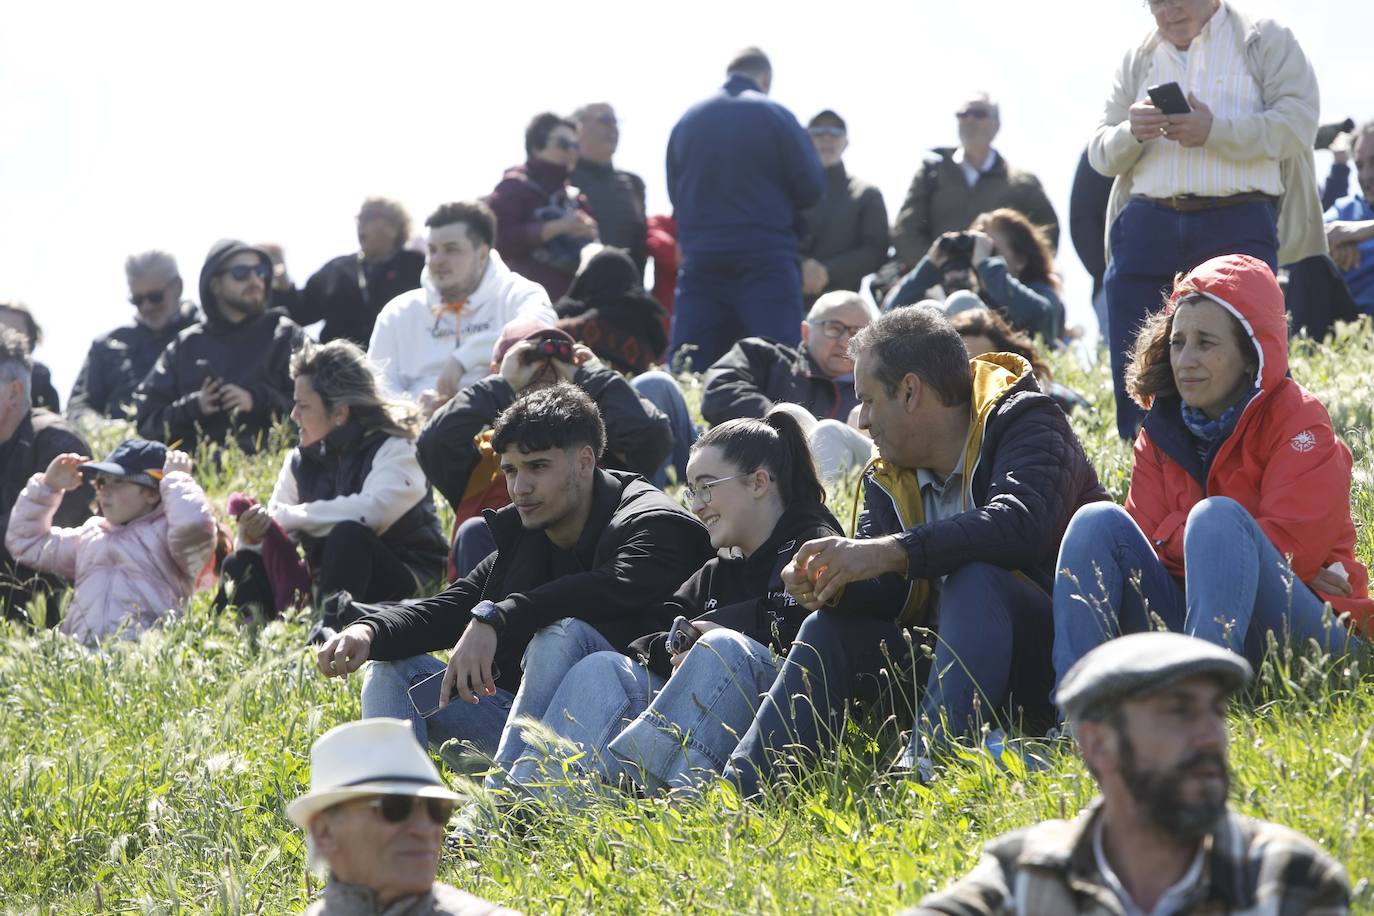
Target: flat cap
x,y
1142,663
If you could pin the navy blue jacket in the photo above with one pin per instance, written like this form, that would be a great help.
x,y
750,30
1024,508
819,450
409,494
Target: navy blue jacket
x,y
740,170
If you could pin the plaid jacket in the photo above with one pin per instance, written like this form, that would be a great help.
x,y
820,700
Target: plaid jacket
x,y
1252,867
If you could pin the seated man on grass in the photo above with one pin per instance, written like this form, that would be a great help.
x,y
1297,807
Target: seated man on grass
x,y
978,476
1149,713
582,552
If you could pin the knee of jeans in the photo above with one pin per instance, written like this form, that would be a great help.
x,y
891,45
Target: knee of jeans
x,y
382,677
468,526
1095,521
1213,511
560,639
819,632
653,380
731,646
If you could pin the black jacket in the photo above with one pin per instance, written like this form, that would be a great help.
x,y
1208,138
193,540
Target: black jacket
x,y
637,546
118,362
338,465
347,294
757,373
745,593
254,354
638,437
847,231
41,437
616,202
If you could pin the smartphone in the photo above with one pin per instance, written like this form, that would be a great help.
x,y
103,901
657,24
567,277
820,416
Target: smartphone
x,y
1169,99
203,370
424,695
682,636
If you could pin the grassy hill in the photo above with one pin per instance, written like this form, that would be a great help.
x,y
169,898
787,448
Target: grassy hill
x,y
153,778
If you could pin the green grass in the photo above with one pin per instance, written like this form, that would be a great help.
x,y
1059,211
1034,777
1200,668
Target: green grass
x,y
153,777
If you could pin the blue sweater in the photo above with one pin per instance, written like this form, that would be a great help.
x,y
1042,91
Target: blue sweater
x,y
1361,279
740,170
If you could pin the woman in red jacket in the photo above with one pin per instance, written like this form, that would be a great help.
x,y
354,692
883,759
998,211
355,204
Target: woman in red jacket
x,y
1237,523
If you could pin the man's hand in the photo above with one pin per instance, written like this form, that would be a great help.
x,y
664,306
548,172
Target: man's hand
x,y
516,370
430,401
450,377
1340,147
254,524
64,471
814,277
936,255
1147,122
209,395
176,461
824,566
1191,129
346,652
1346,256
469,667
1342,231
235,399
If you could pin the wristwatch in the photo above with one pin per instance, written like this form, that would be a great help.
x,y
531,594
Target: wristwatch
x,y
491,615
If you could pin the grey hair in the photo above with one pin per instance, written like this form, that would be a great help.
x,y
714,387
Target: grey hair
x,y
149,262
839,298
16,365
580,114
986,99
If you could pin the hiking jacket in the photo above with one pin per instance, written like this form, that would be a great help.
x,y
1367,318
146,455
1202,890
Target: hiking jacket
x,y
846,230
745,594
117,362
1249,866
637,546
352,475
254,354
348,293
137,574
1283,461
1284,131
1028,476
757,373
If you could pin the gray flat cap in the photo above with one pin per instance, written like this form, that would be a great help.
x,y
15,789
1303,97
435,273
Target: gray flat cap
x,y
1143,663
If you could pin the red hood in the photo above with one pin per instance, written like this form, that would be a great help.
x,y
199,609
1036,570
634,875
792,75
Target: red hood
x,y
1246,288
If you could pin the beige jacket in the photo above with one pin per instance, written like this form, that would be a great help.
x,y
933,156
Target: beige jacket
x,y
1285,131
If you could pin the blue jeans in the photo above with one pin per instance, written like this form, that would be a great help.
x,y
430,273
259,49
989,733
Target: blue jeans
x,y
550,655
662,390
472,543
723,297
1237,587
1149,244
385,686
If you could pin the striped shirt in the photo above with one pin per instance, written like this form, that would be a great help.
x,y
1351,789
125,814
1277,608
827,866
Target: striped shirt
x,y
1213,69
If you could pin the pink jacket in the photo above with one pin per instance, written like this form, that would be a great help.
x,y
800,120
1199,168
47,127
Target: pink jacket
x,y
134,574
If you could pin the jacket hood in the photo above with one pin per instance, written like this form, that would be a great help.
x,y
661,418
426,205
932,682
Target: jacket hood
x,y
797,517
220,252
493,280
1247,289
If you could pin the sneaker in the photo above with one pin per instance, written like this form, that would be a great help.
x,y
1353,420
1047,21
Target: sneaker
x,y
912,763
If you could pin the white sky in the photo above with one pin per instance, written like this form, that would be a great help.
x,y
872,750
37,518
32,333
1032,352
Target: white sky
x,y
136,125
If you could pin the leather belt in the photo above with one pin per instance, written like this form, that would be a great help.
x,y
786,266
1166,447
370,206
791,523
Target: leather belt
x,y
1191,203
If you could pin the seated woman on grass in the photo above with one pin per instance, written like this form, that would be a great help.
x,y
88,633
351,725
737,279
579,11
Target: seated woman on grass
x,y
351,494
665,723
1237,524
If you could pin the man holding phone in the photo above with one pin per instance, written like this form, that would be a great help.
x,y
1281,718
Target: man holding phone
x,y
1208,133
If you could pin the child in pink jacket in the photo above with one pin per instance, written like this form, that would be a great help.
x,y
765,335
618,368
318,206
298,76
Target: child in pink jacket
x,y
135,564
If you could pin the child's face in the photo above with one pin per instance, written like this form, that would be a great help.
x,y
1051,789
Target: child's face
x,y
122,501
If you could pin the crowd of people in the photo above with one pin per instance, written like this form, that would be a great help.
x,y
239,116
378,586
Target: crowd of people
x,y
606,636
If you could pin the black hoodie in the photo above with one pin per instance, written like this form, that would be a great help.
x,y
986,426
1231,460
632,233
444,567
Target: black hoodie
x,y
254,354
745,593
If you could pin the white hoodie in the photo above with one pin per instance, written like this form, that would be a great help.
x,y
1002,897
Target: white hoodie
x,y
411,345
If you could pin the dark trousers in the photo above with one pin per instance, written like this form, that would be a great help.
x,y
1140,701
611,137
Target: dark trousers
x,y
472,543
1151,243
724,297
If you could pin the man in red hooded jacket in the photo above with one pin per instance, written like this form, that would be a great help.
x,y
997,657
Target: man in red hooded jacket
x,y
1237,523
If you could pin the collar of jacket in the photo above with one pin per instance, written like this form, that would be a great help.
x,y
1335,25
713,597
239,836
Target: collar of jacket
x,y
346,899
738,83
837,174
999,166
781,539
598,169
338,441
507,530
547,175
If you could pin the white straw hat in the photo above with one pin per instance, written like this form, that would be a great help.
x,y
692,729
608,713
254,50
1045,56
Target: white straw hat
x,y
370,757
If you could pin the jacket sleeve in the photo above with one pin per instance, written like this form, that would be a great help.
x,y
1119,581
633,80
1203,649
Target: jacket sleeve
x,y
274,396
1333,189
447,449
911,236
393,485
1087,214
635,430
1292,108
660,551
870,250
518,233
408,628
914,285
1113,149
736,383
166,413
191,527
90,391
1147,501
309,306
801,165
1023,306
32,539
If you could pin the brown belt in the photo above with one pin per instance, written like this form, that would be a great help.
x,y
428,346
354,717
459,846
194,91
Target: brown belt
x,y
1191,203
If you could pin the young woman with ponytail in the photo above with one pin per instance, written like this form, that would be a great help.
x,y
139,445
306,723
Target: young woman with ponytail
x,y
670,719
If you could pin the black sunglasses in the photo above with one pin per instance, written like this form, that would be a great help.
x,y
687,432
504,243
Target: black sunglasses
x,y
396,809
565,144
241,272
978,113
153,298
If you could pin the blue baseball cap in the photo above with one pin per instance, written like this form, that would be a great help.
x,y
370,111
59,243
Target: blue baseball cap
x,y
136,459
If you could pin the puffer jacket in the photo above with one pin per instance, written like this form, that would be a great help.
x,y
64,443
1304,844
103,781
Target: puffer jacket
x,y
1282,461
132,575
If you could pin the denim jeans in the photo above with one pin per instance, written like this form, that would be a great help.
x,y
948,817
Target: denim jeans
x,y
1237,587
385,686
550,655
472,543
662,390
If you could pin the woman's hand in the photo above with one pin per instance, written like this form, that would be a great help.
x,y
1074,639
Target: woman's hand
x,y
253,524
177,461
64,472
1330,582
983,247
705,626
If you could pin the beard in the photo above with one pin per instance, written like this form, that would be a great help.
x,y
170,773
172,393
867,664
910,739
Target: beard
x,y
1160,793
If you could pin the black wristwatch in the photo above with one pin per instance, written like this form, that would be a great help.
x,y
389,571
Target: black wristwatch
x,y
490,614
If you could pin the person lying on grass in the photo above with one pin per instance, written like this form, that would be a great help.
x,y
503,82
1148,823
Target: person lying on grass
x,y
136,563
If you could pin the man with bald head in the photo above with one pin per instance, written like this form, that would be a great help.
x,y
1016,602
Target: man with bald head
x,y
615,197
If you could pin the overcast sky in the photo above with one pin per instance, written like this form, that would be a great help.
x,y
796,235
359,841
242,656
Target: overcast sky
x,y
138,125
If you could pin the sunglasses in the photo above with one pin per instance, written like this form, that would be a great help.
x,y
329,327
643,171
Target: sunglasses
x,y
565,144
153,298
979,113
241,272
823,131
396,809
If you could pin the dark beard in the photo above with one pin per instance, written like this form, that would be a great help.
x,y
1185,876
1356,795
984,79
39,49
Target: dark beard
x,y
1160,796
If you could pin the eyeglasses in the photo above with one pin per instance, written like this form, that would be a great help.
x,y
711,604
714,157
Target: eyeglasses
x,y
837,329
979,113
823,131
241,272
565,144
396,809
153,298
691,494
